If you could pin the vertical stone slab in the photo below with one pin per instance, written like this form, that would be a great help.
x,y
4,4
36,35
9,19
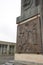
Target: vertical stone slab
x,y
30,27
29,37
8,50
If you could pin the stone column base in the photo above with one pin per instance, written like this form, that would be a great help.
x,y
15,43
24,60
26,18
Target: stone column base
x,y
29,57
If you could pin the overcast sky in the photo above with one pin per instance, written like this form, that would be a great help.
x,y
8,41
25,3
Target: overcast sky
x,y
9,10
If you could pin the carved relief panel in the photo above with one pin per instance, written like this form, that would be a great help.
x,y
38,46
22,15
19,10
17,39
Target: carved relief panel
x,y
26,4
29,37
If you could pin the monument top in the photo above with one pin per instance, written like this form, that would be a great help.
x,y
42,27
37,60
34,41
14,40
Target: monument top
x,y
29,8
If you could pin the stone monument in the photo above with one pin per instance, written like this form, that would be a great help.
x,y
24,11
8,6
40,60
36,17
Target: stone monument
x,y
30,27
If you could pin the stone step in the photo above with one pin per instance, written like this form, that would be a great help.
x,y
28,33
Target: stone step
x,y
29,57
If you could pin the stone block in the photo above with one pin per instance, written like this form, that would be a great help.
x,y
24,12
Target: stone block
x,y
29,37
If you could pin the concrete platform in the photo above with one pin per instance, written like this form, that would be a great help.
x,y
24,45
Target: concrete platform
x,y
36,58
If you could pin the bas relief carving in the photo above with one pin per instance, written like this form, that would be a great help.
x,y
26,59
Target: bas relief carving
x,y
28,37
26,4
37,2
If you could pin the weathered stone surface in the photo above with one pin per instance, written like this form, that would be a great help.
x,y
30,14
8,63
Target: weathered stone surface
x,y
30,34
29,37
29,8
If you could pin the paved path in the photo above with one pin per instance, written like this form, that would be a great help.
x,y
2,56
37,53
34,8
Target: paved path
x,y
26,63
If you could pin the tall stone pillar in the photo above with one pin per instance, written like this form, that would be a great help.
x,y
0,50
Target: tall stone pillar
x,y
8,50
1,49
